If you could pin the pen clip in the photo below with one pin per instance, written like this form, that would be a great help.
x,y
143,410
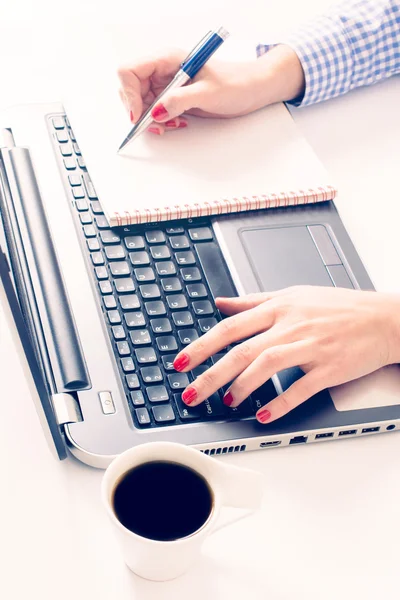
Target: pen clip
x,y
197,46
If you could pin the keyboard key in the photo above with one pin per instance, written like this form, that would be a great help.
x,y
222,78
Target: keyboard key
x,y
163,413
178,381
74,180
185,412
185,258
174,230
91,192
109,237
197,371
69,163
139,258
124,285
187,336
207,324
179,242
93,244
145,274
157,393
82,206
97,258
114,317
102,222
134,319
66,149
109,302
171,285
182,319
142,416
127,364
145,355
81,163
168,362
123,348
202,308
155,309
200,234
96,208
115,252
119,269
101,273
215,271
134,242
132,381
165,268
129,302
137,398
140,337
78,193
196,290
191,274
176,301
161,325
118,332
155,237
58,123
166,343
85,218
89,231
105,287
76,148
150,291
151,374
160,252
62,137
214,406
72,135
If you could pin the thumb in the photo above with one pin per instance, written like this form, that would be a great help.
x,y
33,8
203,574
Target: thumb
x,y
231,306
178,101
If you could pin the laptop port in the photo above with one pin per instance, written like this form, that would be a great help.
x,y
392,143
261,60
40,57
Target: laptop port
x,y
320,436
299,439
348,432
272,443
370,429
390,427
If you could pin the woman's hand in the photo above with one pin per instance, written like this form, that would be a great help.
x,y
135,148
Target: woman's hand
x,y
221,89
334,335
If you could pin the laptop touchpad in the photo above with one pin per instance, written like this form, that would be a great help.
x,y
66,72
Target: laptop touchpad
x,y
283,257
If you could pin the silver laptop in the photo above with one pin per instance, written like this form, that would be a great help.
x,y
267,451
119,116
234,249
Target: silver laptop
x,y
99,314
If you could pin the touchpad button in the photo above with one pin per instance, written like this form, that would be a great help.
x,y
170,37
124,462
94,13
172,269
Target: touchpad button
x,y
284,256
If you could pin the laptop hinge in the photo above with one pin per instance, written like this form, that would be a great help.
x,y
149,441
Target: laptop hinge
x,y
66,408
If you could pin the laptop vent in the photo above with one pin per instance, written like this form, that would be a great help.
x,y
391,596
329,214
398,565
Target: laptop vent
x,y
225,450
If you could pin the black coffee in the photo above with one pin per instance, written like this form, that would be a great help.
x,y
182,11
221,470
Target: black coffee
x,y
162,501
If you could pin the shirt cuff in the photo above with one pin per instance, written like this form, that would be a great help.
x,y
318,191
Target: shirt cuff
x,y
325,56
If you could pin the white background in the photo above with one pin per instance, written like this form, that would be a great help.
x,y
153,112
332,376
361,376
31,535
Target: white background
x,y
329,523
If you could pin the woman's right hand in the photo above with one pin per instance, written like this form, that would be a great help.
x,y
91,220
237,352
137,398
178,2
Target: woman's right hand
x,y
220,89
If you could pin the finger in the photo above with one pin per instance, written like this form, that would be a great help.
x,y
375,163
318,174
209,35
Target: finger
x,y
176,123
263,367
231,306
296,394
226,332
135,82
180,100
157,129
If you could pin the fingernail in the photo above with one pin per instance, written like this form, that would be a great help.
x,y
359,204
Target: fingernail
x,y
264,415
181,362
131,116
189,395
154,130
159,112
171,124
182,124
228,399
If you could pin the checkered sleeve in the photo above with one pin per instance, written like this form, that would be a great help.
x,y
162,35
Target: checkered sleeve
x,y
356,43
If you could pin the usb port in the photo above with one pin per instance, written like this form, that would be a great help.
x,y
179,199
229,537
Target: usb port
x,y
299,439
348,432
370,429
319,436
272,443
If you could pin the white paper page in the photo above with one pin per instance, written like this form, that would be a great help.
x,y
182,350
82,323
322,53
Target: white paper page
x,y
261,153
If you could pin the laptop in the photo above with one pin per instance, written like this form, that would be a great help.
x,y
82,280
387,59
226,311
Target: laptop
x,y
98,314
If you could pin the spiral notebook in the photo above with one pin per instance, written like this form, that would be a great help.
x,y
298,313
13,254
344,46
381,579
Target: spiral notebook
x,y
212,167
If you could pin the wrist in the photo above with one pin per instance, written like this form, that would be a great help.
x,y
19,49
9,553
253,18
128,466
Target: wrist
x,y
393,328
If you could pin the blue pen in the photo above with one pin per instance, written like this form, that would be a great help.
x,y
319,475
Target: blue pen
x,y
189,68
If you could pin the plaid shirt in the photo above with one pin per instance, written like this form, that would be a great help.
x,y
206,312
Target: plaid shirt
x,y
356,43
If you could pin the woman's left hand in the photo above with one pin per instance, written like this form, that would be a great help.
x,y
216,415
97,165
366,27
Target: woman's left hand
x,y
334,335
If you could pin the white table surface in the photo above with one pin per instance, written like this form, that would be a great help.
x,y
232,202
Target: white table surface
x,y
330,521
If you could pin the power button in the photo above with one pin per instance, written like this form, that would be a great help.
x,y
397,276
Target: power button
x,y
107,403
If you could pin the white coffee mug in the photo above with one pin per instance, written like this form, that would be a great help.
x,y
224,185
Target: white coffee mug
x,y
230,486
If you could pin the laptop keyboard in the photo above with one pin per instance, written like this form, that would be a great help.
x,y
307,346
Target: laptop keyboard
x,y
155,287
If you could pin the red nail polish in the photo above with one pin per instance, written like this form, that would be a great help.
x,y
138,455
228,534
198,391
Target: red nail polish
x,y
170,124
189,395
264,415
154,130
131,116
182,124
228,399
181,362
159,112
